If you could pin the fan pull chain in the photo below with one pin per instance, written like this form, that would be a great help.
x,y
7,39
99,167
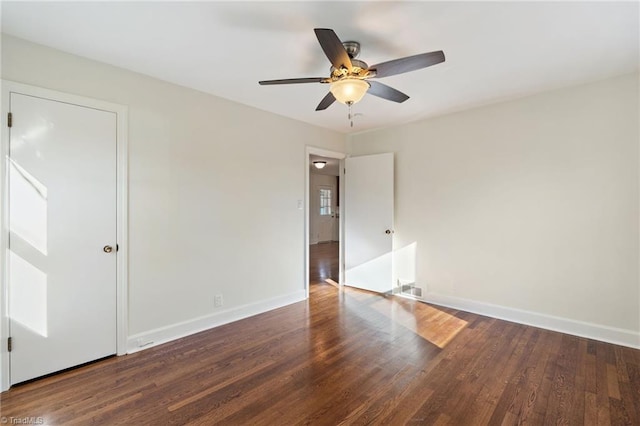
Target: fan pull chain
x,y
350,116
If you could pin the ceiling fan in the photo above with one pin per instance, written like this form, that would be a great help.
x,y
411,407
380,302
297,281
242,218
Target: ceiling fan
x,y
350,78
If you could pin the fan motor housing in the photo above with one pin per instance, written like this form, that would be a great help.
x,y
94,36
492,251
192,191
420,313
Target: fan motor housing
x,y
360,69
352,48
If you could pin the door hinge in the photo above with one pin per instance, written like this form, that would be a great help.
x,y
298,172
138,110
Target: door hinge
x,y
9,344
9,119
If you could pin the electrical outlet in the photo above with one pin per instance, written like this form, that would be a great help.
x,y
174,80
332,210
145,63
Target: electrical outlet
x,y
217,300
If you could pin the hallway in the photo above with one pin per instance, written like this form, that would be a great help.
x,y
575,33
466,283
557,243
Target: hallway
x,y
324,259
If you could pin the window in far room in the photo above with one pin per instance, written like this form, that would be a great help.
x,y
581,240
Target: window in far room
x,y
325,202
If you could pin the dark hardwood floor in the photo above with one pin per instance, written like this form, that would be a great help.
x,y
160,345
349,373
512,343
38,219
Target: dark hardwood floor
x,y
323,262
349,357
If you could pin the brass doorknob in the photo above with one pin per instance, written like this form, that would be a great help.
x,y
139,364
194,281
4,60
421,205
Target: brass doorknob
x,y
107,249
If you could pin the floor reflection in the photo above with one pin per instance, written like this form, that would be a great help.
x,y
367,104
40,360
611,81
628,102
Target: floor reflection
x,y
436,325
323,262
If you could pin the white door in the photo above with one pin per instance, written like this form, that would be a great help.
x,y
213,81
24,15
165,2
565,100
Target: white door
x,y
326,211
62,221
368,219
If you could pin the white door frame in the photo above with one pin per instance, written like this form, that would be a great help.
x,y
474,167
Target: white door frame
x,y
121,112
311,150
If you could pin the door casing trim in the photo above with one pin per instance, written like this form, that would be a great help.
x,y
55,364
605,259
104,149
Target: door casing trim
x,y
122,223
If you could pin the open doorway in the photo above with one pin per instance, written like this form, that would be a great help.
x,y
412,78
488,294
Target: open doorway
x,y
324,219
324,230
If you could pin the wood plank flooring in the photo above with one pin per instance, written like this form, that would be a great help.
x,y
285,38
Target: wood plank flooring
x,y
349,357
323,262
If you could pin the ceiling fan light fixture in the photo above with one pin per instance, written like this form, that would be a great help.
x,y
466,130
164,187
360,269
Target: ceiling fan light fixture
x,y
319,164
349,90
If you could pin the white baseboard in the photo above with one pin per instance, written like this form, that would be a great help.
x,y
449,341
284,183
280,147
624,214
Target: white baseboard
x,y
603,333
166,334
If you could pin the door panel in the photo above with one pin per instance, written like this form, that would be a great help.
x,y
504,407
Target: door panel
x,y
368,215
62,212
325,195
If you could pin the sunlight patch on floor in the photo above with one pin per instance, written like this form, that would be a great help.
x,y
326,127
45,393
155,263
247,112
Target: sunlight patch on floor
x,y
429,322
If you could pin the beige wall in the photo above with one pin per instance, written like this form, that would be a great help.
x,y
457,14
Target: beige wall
x,y
530,204
213,188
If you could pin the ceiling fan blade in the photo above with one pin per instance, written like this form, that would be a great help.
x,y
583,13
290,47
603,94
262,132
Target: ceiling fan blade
x,y
333,48
326,102
409,63
292,81
386,92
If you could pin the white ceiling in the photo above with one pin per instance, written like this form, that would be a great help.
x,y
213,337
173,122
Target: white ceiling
x,y
494,50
